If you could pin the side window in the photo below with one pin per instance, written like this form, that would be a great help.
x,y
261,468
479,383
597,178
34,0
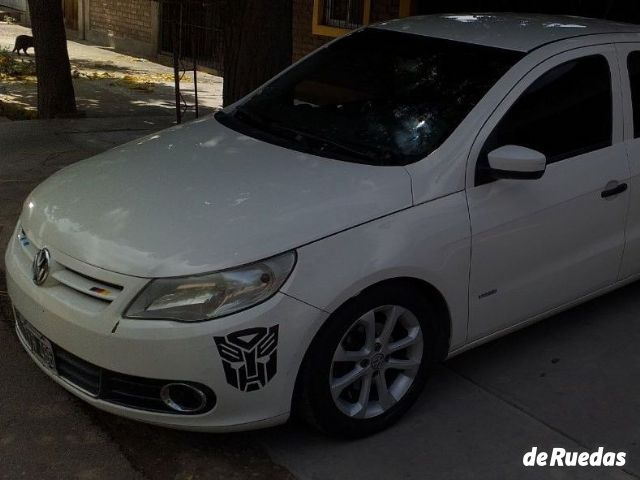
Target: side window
x,y
633,65
566,112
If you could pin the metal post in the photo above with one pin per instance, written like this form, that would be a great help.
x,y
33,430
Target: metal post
x,y
194,53
177,24
195,86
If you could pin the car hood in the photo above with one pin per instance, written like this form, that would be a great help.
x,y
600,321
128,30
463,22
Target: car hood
x,y
201,197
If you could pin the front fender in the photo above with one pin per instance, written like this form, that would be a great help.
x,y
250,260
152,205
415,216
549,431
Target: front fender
x,y
430,242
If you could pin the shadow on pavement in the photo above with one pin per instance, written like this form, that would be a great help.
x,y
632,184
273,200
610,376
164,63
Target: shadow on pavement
x,y
570,381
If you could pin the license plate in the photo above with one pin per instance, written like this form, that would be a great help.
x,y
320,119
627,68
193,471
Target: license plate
x,y
36,343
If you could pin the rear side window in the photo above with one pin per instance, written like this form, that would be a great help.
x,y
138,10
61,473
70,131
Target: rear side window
x,y
633,65
566,112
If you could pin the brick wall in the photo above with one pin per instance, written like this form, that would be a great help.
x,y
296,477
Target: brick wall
x,y
304,41
126,19
384,10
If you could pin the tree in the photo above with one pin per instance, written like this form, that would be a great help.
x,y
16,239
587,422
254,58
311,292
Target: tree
x,y
257,44
56,97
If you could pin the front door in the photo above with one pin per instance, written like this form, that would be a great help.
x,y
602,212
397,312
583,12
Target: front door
x,y
629,55
70,10
540,244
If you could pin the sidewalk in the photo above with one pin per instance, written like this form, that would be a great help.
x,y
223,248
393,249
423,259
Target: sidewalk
x,y
550,385
568,382
110,84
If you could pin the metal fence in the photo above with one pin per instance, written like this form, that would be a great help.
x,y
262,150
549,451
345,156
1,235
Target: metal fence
x,y
199,30
190,31
344,13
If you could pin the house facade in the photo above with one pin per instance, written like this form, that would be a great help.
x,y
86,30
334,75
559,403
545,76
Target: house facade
x,y
315,22
16,9
147,27
143,26
20,5
127,25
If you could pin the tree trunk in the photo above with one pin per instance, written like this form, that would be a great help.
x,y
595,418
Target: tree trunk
x,y
56,97
257,44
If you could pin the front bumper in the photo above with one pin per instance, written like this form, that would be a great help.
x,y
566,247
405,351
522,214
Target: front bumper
x,y
96,333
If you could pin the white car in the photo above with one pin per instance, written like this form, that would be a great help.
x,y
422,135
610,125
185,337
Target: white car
x,y
405,193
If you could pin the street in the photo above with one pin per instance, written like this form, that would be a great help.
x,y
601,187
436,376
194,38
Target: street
x,y
569,381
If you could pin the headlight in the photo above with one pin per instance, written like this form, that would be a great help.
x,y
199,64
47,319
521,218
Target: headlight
x,y
203,297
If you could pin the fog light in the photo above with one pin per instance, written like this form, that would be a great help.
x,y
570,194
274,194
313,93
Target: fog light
x,y
183,397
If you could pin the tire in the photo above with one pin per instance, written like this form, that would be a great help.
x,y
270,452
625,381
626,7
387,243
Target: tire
x,y
347,411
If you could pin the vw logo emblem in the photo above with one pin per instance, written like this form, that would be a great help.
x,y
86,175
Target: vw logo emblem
x,y
40,266
377,361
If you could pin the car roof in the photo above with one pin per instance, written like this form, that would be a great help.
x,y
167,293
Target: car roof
x,y
512,31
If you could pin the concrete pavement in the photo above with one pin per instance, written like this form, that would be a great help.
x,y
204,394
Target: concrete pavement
x,y
111,84
45,433
570,381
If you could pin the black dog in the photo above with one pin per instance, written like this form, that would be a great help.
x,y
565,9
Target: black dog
x,y
23,42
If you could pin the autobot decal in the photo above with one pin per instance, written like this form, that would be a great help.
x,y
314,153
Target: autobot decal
x,y
249,357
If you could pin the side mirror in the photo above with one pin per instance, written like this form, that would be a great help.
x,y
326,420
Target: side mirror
x,y
516,162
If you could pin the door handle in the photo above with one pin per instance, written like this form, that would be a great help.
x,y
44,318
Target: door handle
x,y
614,190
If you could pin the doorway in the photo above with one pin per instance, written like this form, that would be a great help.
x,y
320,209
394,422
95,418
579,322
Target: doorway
x,y
70,11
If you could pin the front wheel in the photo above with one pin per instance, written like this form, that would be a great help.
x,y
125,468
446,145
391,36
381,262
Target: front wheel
x,y
370,361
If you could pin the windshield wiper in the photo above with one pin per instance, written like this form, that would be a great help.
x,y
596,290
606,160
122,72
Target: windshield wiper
x,y
250,116
327,144
322,143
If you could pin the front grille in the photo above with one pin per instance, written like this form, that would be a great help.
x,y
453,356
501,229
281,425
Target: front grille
x,y
136,392
82,374
118,388
107,292
126,390
91,287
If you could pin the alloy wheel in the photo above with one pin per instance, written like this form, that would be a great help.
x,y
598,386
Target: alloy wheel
x,y
376,361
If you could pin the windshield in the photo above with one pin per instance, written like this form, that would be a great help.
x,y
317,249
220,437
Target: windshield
x,y
378,97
